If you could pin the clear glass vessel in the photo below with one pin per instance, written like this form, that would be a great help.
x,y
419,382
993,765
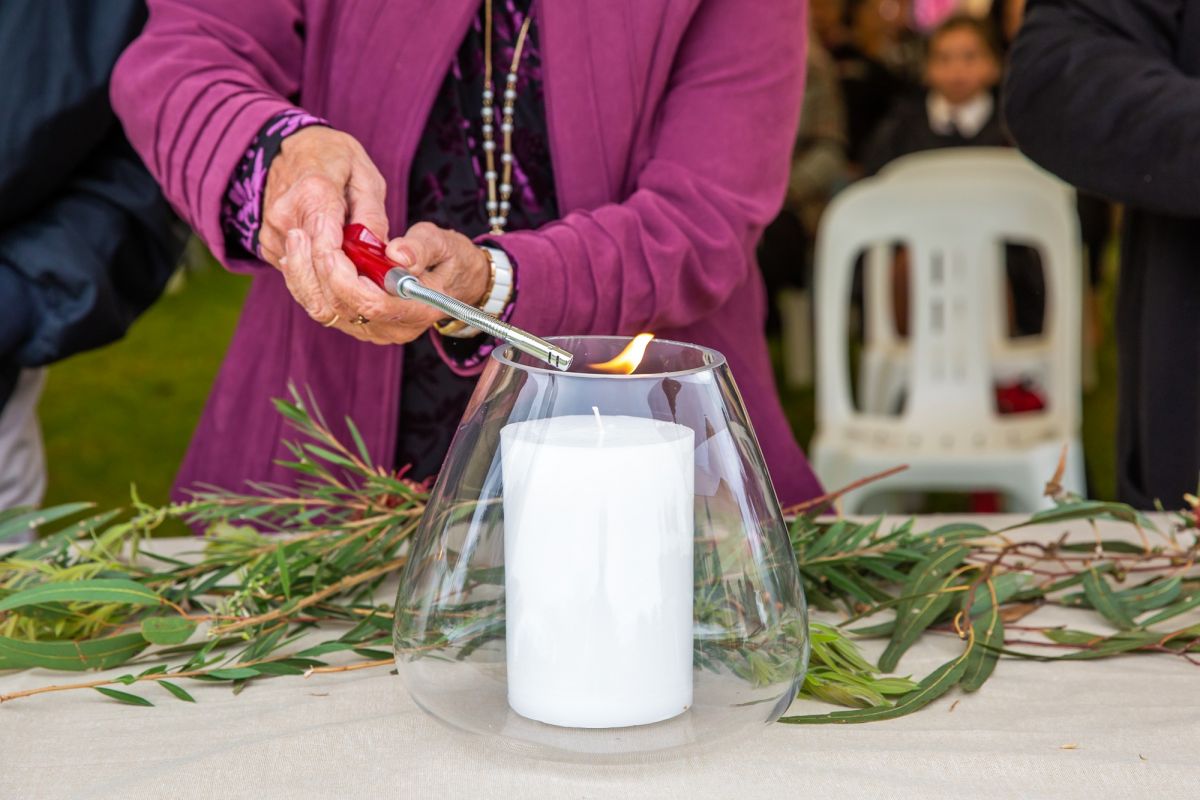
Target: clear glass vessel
x,y
603,571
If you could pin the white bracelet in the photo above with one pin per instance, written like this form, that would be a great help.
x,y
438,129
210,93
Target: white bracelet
x,y
497,299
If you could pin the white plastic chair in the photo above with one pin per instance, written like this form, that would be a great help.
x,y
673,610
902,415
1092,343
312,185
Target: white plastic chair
x,y
884,364
949,433
795,315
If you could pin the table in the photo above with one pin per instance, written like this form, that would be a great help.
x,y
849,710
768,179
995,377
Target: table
x,y
1131,726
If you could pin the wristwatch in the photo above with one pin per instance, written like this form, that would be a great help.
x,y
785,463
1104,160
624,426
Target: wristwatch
x,y
495,299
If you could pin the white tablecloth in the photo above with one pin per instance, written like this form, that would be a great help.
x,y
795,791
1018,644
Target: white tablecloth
x,y
1131,727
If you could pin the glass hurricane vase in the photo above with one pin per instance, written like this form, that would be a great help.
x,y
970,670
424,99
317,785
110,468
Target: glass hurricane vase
x,y
603,571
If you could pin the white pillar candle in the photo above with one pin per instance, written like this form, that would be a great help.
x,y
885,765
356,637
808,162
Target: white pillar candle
x,y
598,569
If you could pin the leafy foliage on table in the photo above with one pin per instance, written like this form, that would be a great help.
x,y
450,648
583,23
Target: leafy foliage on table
x,y
90,595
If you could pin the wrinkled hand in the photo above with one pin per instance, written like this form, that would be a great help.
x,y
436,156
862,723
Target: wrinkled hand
x,y
442,259
445,260
322,179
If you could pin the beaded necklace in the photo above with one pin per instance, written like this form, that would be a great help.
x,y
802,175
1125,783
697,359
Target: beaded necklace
x,y
499,198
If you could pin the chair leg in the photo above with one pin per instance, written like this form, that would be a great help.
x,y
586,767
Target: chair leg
x,y
795,314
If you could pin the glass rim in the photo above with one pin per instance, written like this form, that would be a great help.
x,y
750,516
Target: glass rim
x,y
715,359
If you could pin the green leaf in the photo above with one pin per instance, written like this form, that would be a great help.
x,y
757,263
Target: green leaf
x,y
1123,642
56,541
1186,604
285,577
920,616
1086,510
936,684
1104,600
1152,594
1071,637
167,630
176,690
956,531
1006,585
96,590
359,444
875,631
15,522
989,641
278,668
234,673
123,697
927,601
103,653
327,647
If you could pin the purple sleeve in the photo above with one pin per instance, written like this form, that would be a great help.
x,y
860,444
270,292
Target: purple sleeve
x,y
680,245
196,87
241,208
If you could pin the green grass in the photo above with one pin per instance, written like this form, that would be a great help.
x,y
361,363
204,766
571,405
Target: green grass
x,y
124,415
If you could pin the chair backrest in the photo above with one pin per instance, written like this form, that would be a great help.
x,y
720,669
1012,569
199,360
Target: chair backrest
x,y
979,166
973,163
954,230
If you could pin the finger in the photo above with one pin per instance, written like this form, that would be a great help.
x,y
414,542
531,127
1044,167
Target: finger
x,y
305,205
366,193
327,232
350,292
423,247
272,245
301,279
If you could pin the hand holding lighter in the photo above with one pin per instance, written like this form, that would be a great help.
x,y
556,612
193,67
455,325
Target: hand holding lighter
x,y
369,256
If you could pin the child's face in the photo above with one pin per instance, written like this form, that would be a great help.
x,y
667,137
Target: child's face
x,y
961,66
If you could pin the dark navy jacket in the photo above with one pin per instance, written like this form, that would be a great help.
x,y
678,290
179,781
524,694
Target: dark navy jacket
x,y
86,240
1106,93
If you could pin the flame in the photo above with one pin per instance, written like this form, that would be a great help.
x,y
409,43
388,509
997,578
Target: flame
x,y
629,359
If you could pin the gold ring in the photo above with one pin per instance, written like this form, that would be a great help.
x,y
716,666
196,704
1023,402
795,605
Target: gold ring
x,y
359,320
331,322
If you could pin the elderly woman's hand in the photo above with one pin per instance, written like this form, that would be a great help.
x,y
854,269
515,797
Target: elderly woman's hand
x,y
322,179
320,175
445,259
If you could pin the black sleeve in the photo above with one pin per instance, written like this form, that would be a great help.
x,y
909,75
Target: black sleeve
x,y
1094,95
92,258
86,239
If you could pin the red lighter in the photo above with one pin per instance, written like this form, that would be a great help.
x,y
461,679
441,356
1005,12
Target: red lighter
x,y
368,253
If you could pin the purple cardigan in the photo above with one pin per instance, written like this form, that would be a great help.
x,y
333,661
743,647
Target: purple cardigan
x,y
671,125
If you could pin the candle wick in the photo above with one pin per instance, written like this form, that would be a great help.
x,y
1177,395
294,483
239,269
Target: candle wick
x,y
599,423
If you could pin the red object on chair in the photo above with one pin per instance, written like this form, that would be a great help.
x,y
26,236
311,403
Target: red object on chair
x,y
1020,397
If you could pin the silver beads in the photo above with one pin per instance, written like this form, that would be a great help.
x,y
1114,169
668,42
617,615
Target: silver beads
x,y
498,209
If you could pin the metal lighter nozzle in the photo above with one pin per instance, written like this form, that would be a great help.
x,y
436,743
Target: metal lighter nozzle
x,y
402,284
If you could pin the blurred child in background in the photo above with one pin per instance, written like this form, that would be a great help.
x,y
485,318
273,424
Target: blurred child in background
x,y
959,109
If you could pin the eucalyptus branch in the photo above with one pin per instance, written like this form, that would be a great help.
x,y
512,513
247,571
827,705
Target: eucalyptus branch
x,y
284,577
